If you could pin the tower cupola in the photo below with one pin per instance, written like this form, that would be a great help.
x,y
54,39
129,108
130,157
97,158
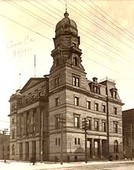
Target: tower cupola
x,y
66,45
66,26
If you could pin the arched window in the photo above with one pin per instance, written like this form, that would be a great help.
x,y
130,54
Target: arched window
x,y
75,61
116,146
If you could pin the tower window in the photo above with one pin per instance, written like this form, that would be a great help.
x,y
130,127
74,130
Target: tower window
x,y
56,82
57,122
75,61
57,101
76,81
76,101
76,121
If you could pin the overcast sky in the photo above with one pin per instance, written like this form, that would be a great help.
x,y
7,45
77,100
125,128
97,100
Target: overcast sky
x,y
28,27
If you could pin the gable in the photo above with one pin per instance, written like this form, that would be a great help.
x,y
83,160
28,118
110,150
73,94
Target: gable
x,y
31,83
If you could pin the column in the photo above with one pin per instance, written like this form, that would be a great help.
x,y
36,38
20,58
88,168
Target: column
x,y
100,148
92,148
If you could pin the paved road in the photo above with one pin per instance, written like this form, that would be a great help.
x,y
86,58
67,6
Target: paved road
x,y
110,166
106,165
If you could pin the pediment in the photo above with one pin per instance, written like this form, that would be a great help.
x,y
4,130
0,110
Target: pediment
x,y
31,83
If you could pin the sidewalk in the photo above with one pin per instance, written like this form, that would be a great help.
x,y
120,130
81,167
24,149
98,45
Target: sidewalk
x,y
51,165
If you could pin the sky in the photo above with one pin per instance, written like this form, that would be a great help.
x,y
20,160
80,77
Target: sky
x,y
27,29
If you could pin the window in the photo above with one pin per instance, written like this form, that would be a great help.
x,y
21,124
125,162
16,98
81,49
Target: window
x,y
89,124
57,101
13,150
104,126
76,81
94,87
115,146
115,127
57,122
13,134
114,93
96,106
76,121
75,61
115,110
57,141
76,101
88,105
56,82
96,125
77,141
104,108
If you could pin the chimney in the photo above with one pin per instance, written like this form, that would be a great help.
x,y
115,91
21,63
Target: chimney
x,y
95,79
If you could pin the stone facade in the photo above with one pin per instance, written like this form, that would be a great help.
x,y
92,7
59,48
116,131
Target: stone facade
x,y
49,111
29,121
4,145
128,133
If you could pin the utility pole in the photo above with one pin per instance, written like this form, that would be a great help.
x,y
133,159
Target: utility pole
x,y
84,127
107,105
62,121
131,139
41,135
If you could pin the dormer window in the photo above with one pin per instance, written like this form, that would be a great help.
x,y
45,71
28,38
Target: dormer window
x,y
95,88
113,93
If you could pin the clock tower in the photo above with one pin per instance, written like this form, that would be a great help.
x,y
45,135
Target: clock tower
x,y
67,76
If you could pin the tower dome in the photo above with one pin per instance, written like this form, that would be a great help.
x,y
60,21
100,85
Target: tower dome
x,y
66,26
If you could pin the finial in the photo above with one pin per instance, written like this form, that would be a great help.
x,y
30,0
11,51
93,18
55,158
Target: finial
x,y
66,7
66,13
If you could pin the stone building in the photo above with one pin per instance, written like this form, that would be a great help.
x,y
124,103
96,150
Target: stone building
x,y
4,145
128,132
47,113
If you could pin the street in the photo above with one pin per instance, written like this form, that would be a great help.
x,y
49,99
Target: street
x,y
113,166
106,165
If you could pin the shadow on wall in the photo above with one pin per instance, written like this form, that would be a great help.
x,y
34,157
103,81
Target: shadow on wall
x,y
78,153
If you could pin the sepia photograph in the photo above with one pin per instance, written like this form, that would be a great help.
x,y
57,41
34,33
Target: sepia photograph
x,y
67,85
